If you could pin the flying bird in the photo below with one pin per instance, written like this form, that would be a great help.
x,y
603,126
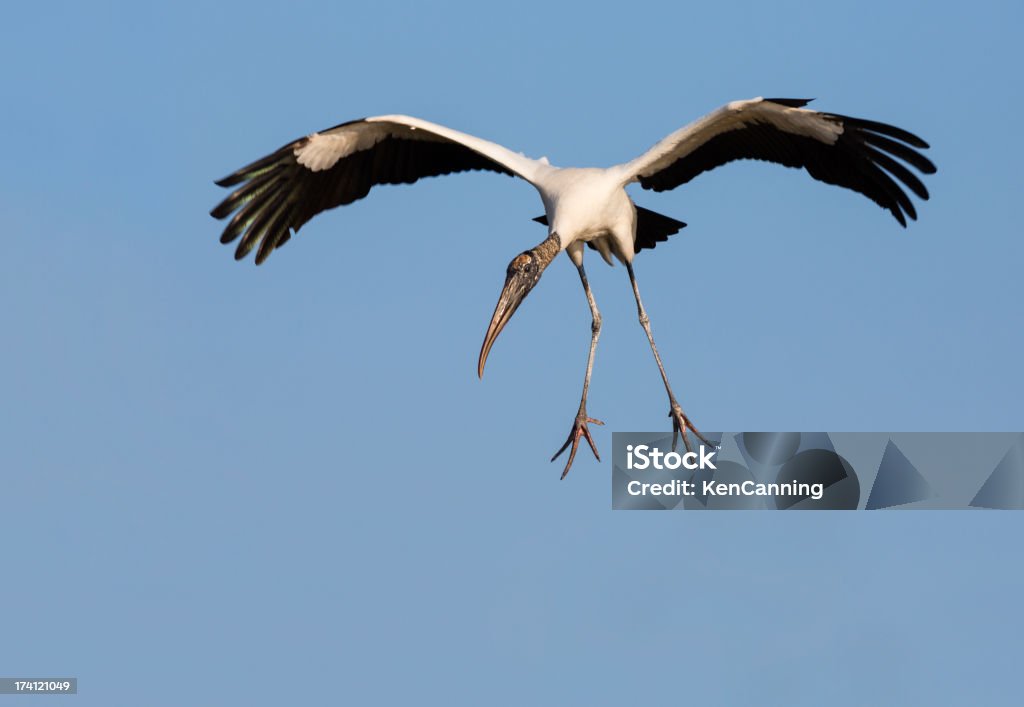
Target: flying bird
x,y
274,196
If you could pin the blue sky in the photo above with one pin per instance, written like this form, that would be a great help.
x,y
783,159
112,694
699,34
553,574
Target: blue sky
x,y
228,484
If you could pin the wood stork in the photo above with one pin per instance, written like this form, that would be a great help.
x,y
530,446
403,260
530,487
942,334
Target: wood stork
x,y
276,195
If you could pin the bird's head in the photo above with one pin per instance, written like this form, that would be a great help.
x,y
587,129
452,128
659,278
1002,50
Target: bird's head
x,y
522,274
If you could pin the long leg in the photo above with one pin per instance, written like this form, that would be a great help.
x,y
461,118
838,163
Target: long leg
x,y
680,422
579,428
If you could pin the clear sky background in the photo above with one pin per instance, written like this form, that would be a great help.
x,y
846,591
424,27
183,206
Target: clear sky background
x,y
225,484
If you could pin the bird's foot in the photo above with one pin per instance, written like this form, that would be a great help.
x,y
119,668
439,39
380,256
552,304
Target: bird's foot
x,y
681,425
579,429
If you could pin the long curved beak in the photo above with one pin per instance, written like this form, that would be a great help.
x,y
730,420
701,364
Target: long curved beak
x,y
516,288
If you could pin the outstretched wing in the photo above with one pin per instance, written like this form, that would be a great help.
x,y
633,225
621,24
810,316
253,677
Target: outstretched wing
x,y
849,152
276,195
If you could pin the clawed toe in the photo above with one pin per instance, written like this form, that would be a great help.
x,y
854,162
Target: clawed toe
x,y
680,425
579,429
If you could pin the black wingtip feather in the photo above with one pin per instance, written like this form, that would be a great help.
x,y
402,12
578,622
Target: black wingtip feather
x,y
885,129
899,216
249,171
898,149
899,171
790,102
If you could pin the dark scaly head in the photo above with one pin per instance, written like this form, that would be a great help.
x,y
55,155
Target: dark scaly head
x,y
522,275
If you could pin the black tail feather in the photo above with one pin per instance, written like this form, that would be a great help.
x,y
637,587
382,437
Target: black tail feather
x,y
651,228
